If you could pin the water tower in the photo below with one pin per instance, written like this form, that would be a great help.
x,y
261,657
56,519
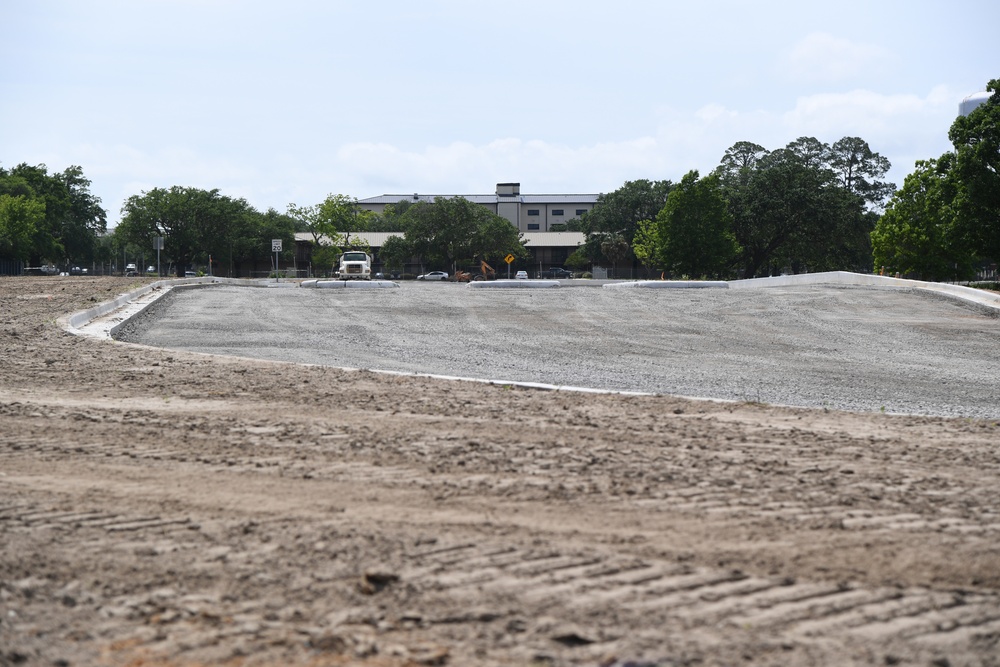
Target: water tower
x,y
966,106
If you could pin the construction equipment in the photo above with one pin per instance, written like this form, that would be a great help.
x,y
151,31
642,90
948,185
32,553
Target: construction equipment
x,y
486,272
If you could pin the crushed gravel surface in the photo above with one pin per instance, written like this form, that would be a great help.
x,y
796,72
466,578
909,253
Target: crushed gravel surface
x,y
849,348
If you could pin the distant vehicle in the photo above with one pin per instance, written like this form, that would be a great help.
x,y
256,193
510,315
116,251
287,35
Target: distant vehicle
x,y
190,274
355,265
130,270
433,275
521,275
150,269
557,272
77,271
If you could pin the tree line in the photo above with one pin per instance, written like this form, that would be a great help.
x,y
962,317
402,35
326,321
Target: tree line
x,y
945,220
806,207
49,217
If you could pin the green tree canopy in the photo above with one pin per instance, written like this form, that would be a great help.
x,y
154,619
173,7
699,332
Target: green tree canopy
x,y
195,223
619,212
454,229
917,235
19,217
791,207
693,229
976,138
73,218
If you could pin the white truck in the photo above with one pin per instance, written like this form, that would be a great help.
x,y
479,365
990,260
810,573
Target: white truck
x,y
355,265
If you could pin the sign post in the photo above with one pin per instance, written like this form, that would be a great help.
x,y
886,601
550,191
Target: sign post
x,y
158,246
276,248
509,259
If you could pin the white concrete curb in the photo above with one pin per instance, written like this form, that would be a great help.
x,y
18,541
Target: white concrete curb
x,y
970,294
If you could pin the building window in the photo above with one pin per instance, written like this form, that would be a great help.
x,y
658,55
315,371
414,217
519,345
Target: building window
x,y
532,226
581,211
532,211
557,211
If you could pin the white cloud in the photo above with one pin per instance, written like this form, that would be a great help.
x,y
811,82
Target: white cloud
x,y
822,58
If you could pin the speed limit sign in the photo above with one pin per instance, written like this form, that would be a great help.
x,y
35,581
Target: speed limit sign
x,y
275,245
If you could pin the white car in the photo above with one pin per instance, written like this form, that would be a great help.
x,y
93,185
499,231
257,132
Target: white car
x,y
433,275
521,275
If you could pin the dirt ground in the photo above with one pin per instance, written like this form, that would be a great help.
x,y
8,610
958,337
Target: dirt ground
x,y
165,508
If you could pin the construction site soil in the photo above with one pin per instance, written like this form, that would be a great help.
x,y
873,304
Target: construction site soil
x,y
164,507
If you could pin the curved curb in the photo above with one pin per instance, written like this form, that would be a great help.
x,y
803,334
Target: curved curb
x,y
970,294
133,302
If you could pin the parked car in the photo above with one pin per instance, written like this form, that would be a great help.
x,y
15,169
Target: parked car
x,y
521,275
433,275
557,272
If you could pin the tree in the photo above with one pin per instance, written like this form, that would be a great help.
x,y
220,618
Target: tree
x,y
194,223
452,229
73,219
19,217
615,248
619,212
644,245
739,161
394,253
793,209
86,220
694,229
860,170
917,234
976,138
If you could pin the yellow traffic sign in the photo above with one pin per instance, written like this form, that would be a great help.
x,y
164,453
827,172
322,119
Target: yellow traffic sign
x,y
509,258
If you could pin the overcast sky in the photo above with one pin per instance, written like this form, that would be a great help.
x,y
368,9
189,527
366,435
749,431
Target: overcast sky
x,y
291,100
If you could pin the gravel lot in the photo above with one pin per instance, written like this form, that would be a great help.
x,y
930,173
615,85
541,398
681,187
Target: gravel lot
x,y
852,348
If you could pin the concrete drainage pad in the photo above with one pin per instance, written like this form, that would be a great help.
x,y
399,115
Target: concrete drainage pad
x,y
349,284
521,284
673,284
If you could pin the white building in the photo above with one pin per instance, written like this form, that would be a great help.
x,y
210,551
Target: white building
x,y
529,213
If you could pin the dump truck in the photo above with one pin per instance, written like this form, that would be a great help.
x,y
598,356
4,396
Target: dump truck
x,y
355,265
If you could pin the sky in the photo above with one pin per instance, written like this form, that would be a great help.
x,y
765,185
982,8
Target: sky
x,y
289,101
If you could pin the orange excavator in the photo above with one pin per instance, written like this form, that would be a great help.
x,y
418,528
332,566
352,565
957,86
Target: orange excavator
x,y
486,272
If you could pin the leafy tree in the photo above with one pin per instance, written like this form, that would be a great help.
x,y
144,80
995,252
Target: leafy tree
x,y
739,161
251,245
615,248
577,260
85,222
976,138
391,219
804,206
453,229
19,217
394,252
694,229
644,245
860,170
917,234
73,218
617,214
195,223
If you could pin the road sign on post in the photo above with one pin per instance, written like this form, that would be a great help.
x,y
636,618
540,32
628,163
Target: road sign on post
x,y
276,248
158,246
